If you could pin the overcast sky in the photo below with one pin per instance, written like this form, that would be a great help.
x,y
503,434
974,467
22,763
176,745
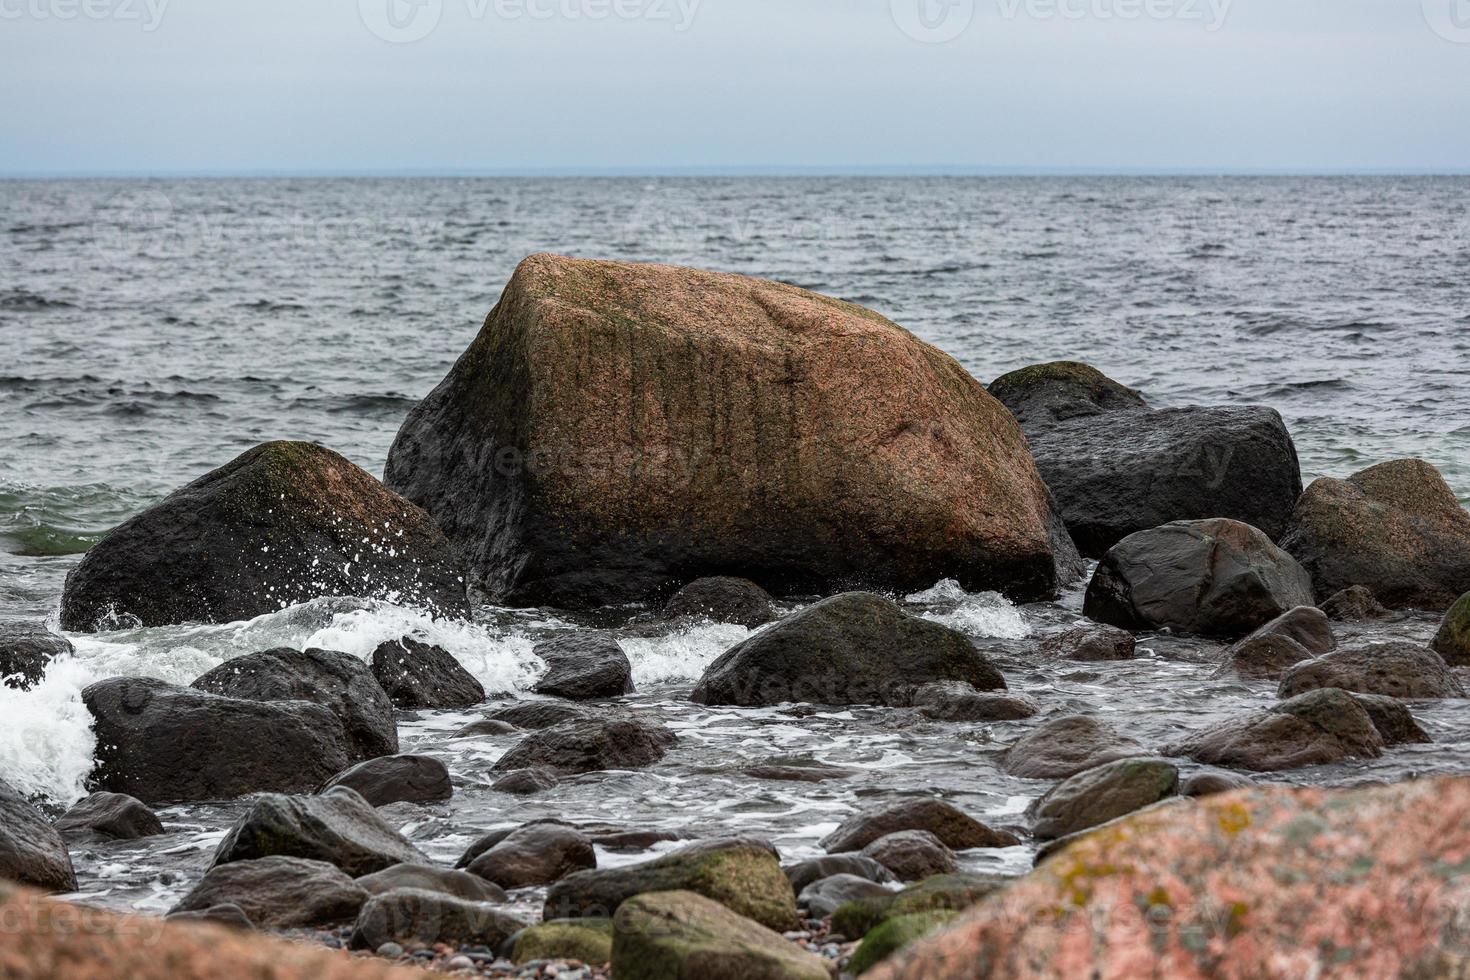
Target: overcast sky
x,y
169,86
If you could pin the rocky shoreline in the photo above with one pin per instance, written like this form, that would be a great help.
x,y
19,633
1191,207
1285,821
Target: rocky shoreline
x,y
623,434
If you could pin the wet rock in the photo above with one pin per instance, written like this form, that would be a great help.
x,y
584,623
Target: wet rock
x,y
1395,723
1064,747
1119,473
26,650
854,648
112,815
629,841
1104,793
584,667
418,675
1452,642
953,893
912,855
814,772
742,874
684,934
286,522
525,782
165,744
1396,669
1265,657
397,779
535,715
1092,643
953,827
889,462
1211,577
31,850
822,897
278,892
1395,528
339,682
895,935
590,746
1315,728
956,701
804,873
1307,626
457,884
722,599
1355,603
408,916
587,940
338,827
1209,782
1252,881
229,915
535,854
1042,395
486,728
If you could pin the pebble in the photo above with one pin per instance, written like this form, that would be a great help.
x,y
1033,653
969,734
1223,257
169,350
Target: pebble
x,y
460,963
390,951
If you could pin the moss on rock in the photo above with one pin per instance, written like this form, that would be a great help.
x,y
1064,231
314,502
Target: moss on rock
x,y
588,940
893,935
685,935
1453,640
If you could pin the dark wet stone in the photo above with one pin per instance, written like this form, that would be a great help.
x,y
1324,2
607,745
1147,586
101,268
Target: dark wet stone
x,y
584,667
219,915
1042,395
455,883
1092,643
1452,642
1355,603
1315,728
418,675
535,854
912,855
951,826
534,715
1395,669
524,782
31,850
278,892
803,873
590,746
954,701
723,600
1393,720
410,916
1212,781
1104,793
397,779
338,827
1066,746
26,650
112,815
823,897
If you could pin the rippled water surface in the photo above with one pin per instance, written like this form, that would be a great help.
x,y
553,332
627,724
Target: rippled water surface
x,y
150,331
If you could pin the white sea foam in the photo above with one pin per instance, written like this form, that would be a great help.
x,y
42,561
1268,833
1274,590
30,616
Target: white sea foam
x,y
46,740
683,654
987,614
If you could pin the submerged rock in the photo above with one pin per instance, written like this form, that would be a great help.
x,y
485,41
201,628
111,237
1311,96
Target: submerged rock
x,y
338,827
337,681
723,600
742,874
525,782
1452,642
912,855
688,423
684,934
584,667
167,744
1104,793
590,746
1312,729
1395,723
418,675
283,523
1066,746
854,648
31,850
278,892
1395,528
1262,657
1042,395
535,715
949,824
397,779
1396,669
957,701
1092,643
535,854
26,650
116,816
1355,603
408,916
1212,577
1306,625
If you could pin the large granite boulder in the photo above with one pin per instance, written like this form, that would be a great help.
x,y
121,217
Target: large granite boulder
x,y
279,892
1312,729
1395,669
683,934
854,648
1395,528
742,874
1104,793
584,667
1214,577
283,523
950,825
26,650
111,816
1042,395
31,850
418,675
590,746
1452,642
618,429
338,827
722,599
1264,882
397,779
165,744
337,681
1120,472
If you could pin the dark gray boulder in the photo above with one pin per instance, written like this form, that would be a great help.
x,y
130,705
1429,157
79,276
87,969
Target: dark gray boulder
x,y
590,746
1212,577
1066,746
584,667
723,600
1104,793
1307,625
337,681
912,855
854,648
278,892
535,854
283,523
455,883
115,816
1393,719
1315,728
1042,395
1119,473
31,850
338,827
410,916
1092,643
26,650
1395,528
1395,669
164,744
397,779
803,873
956,701
418,675
534,715
1265,657
824,896
526,782
952,826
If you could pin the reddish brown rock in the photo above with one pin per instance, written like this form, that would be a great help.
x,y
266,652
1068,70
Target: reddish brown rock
x,y
1253,884
618,429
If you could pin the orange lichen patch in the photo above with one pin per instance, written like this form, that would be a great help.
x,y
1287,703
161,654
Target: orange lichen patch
x,y
43,939
1235,889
